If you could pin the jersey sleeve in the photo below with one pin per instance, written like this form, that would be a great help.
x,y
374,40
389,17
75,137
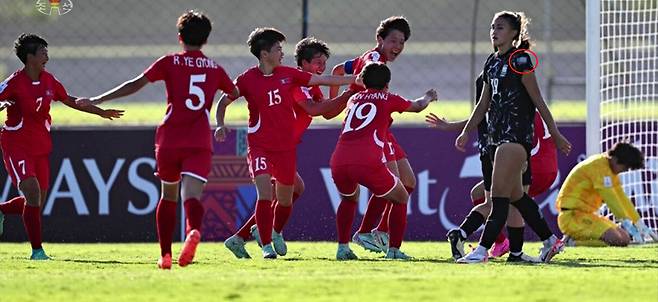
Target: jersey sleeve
x,y
521,62
398,103
241,83
60,91
299,77
485,76
6,89
225,83
156,72
609,187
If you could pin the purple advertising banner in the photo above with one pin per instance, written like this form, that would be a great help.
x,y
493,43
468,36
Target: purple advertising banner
x,y
102,186
440,201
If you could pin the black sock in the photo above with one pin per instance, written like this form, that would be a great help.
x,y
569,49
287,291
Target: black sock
x,y
515,236
533,217
495,222
472,222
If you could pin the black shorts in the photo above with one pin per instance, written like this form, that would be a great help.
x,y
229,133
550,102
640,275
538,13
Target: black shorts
x,y
487,159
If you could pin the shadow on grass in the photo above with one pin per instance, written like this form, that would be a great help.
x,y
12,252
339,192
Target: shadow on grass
x,y
103,261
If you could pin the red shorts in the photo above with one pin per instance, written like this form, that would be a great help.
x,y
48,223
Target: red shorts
x,y
281,165
171,163
541,182
378,179
392,150
21,166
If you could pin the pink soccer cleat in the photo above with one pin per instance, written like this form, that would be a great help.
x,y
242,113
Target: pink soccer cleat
x,y
498,250
189,248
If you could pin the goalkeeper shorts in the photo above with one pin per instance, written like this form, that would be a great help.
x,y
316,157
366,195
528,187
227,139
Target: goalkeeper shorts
x,y
582,225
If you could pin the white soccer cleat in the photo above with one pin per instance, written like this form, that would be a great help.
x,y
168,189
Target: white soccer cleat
x,y
523,258
456,243
381,238
552,246
396,254
476,256
631,229
345,253
268,252
235,244
367,241
279,244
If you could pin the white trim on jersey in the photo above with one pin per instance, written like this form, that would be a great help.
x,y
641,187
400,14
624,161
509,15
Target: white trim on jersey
x,y
255,127
393,187
378,142
14,128
167,115
349,195
195,176
18,179
535,150
47,124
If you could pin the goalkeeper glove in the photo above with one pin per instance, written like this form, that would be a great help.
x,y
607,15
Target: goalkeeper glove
x,y
635,234
645,231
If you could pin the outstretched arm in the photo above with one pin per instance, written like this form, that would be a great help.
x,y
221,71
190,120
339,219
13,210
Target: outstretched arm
x,y
327,108
125,89
421,103
442,124
331,80
104,113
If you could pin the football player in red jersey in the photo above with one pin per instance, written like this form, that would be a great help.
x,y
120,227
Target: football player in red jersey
x,y
311,55
392,35
183,141
26,141
271,139
359,157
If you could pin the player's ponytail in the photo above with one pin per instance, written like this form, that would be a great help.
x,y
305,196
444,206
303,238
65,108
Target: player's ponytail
x,y
519,22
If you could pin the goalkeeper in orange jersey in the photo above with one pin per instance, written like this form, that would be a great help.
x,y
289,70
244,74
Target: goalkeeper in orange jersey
x,y
589,184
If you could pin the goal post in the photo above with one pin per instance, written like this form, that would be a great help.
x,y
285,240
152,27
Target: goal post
x,y
622,91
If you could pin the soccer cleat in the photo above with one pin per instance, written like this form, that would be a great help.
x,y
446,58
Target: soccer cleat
x,y
2,223
645,232
345,253
523,258
498,250
189,248
39,254
165,262
631,229
475,256
552,246
268,252
568,241
396,254
381,238
235,244
367,241
279,244
456,243
256,235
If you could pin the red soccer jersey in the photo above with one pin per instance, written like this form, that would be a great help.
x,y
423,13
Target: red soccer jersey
x,y
366,126
360,62
302,94
191,80
544,153
28,119
270,102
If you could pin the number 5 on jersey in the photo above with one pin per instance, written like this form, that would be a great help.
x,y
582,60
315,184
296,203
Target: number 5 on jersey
x,y
196,90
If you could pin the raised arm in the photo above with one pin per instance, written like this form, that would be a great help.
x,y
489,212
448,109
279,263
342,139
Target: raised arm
x,y
530,83
327,108
331,80
338,70
421,103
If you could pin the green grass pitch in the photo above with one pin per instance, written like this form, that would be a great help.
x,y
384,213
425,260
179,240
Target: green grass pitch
x,y
127,272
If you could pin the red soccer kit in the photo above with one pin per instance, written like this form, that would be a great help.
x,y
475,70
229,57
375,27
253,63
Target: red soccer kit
x,y
183,143
26,142
394,151
359,154
270,136
543,158
301,94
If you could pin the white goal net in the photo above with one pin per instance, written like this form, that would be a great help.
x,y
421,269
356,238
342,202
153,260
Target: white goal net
x,y
623,90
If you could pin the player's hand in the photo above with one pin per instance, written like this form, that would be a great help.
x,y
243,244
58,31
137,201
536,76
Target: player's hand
x,y
359,81
431,95
221,132
460,142
437,122
5,104
83,102
562,144
111,114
